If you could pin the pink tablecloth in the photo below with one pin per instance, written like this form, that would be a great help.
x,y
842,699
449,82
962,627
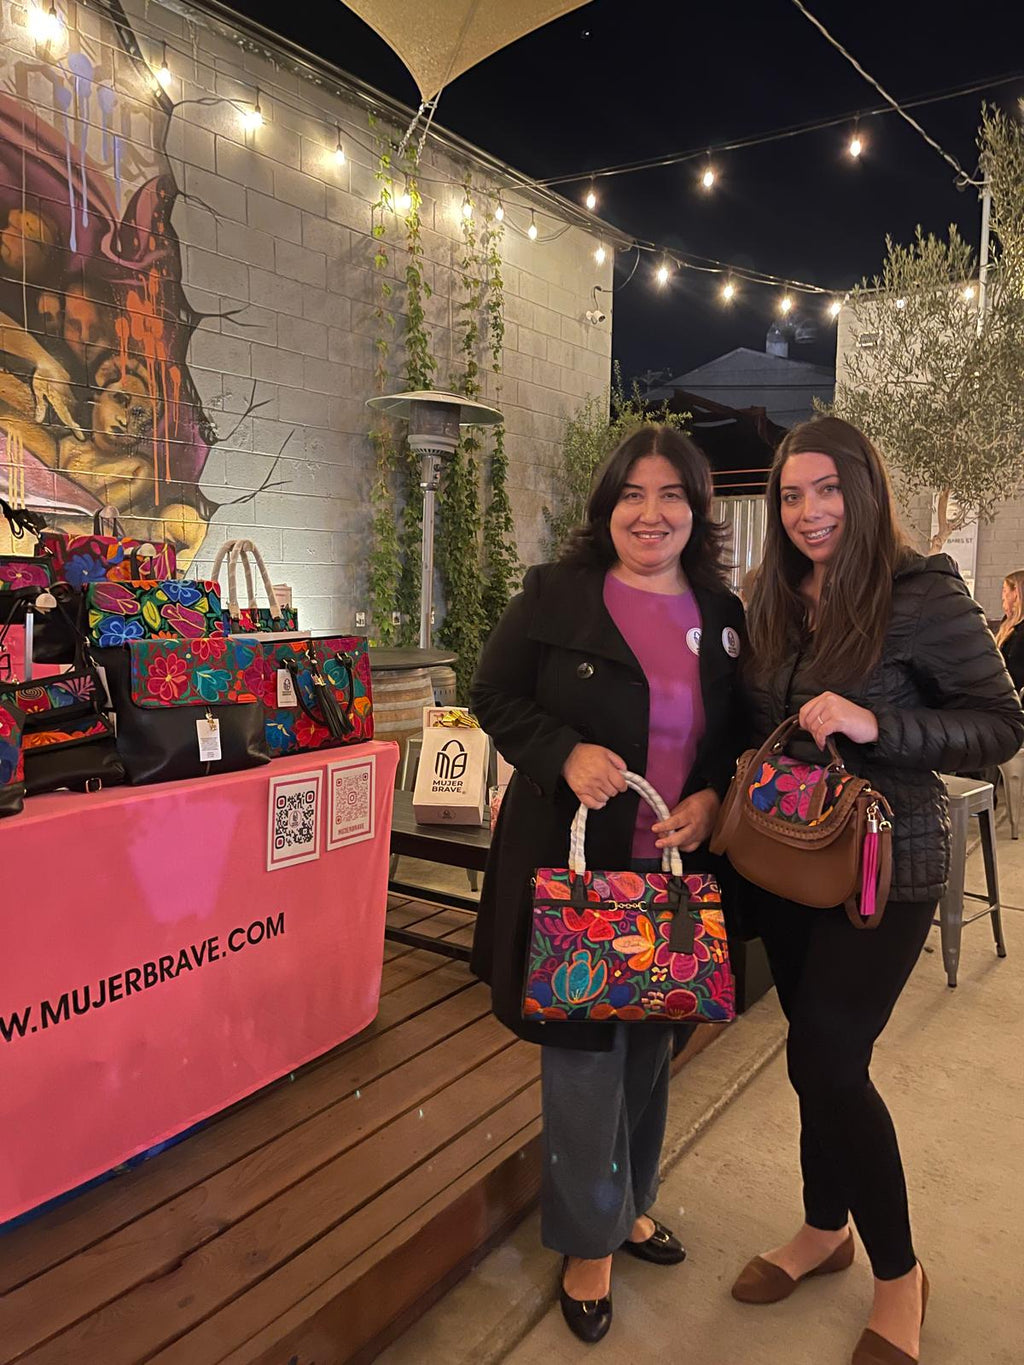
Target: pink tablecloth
x,y
153,971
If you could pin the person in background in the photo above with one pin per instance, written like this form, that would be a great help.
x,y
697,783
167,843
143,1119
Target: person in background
x,y
1010,635
621,655
885,650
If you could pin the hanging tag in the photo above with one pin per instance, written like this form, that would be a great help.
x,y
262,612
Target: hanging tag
x,y
208,731
286,688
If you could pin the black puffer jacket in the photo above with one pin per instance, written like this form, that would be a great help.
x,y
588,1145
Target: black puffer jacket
x,y
944,703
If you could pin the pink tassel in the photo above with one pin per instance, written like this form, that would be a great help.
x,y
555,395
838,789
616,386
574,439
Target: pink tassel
x,y
869,874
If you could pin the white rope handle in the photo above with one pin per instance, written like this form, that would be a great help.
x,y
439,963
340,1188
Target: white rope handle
x,y
227,550
243,549
671,862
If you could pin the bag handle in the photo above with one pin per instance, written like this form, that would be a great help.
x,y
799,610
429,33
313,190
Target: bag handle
x,y
20,520
227,551
671,861
107,515
243,549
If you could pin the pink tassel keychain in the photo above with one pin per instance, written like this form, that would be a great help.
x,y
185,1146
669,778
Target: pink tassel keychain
x,y
869,866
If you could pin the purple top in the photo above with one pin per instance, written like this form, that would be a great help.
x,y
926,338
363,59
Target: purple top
x,y
663,631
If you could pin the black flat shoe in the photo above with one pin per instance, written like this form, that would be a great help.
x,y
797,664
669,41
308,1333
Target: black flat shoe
x,y
588,1319
661,1248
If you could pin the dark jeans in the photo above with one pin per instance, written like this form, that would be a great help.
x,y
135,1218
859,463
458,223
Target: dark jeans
x,y
838,987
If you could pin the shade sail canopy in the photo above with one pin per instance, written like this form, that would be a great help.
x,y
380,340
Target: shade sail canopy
x,y
440,39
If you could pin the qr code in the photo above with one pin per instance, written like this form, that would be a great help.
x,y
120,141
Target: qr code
x,y
295,819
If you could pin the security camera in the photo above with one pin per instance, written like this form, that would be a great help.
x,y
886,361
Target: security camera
x,y
595,316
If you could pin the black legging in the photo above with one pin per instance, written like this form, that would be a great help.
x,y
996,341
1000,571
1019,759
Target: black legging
x,y
837,986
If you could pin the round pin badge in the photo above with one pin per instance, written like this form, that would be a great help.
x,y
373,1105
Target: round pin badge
x,y
731,642
693,639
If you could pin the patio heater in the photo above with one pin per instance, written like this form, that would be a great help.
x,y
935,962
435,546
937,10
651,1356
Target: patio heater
x,y
434,420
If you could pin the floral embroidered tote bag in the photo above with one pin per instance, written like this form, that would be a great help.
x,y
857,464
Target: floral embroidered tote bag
x,y
152,609
626,945
12,767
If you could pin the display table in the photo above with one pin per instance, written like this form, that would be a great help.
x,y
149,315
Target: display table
x,y
154,971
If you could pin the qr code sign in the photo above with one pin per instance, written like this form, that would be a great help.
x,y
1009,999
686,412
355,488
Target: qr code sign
x,y
295,813
350,788
293,833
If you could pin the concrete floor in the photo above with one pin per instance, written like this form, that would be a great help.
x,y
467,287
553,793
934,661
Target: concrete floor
x,y
950,1066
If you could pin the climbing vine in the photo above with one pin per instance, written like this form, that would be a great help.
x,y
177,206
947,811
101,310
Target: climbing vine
x,y
501,566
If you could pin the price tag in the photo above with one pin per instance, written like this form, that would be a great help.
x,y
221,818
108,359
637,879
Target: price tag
x,y
208,731
286,688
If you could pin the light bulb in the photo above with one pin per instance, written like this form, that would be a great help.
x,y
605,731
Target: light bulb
x,y
163,72
969,292
661,275
253,118
591,199
403,201
708,178
44,25
600,255
531,231
834,308
785,304
467,207
901,304
729,292
856,146
339,151
499,212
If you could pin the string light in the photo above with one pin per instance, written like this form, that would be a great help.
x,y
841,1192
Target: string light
x,y
253,118
856,146
45,26
901,304
728,291
709,177
339,150
600,255
467,207
591,199
499,212
403,201
531,231
834,308
662,274
785,304
969,292
163,74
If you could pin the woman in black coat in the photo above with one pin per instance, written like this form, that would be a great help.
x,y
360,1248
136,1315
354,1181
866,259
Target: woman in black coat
x,y
885,650
1010,635
569,703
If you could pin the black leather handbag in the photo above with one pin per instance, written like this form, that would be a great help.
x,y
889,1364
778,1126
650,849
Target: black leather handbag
x,y
183,708
68,740
12,785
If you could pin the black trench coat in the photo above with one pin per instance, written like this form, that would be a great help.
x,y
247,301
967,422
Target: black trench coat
x,y
555,672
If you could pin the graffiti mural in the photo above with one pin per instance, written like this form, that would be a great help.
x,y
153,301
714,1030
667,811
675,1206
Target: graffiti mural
x,y
97,405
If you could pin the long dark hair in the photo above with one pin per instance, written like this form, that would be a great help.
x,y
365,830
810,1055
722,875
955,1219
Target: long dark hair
x,y
702,559
856,598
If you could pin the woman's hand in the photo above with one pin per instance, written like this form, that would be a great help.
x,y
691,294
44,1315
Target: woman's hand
x,y
594,774
690,823
829,714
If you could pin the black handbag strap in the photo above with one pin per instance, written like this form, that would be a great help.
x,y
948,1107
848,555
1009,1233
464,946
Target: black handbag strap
x,y
20,520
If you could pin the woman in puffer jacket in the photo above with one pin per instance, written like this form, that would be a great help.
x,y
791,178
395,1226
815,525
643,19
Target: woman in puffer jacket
x,y
885,650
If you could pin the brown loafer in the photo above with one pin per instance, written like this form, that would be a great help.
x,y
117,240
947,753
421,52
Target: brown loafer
x,y
762,1281
873,1349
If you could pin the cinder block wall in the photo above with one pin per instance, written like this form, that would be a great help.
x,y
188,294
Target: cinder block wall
x,y
276,255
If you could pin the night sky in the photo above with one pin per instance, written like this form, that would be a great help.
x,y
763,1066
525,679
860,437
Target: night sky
x,y
619,81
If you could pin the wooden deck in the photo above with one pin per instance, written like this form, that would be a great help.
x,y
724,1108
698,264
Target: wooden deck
x,y
312,1223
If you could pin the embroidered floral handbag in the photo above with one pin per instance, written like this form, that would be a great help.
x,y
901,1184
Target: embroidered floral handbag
x,y
811,833
107,557
68,740
12,773
22,576
151,610
627,945
272,619
185,707
316,690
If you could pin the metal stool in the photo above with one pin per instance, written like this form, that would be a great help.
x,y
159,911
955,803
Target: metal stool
x,y
969,797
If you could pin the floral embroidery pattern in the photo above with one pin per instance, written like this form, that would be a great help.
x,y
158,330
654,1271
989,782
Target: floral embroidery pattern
x,y
80,560
797,793
259,618
10,747
72,733
290,730
606,955
58,694
17,572
176,673
151,610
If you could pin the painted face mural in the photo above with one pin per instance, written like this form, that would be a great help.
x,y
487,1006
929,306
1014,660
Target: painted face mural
x,y
96,402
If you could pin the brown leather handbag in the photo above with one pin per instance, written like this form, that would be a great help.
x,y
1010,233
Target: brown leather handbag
x,y
814,834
